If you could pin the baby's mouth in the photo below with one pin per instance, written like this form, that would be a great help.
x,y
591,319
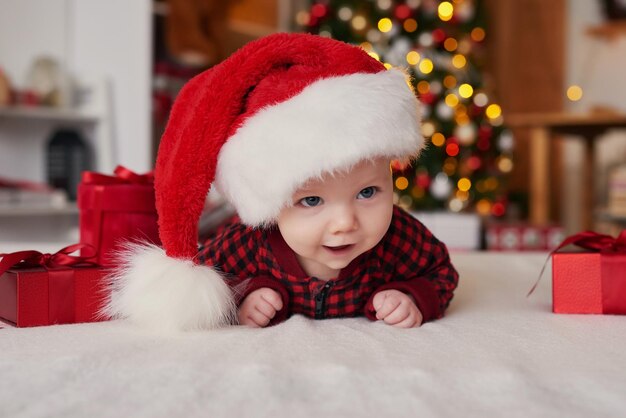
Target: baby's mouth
x,y
338,248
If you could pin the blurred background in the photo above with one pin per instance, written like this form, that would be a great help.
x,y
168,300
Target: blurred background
x,y
524,104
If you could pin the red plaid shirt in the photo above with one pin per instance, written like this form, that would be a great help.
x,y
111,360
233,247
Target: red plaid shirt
x,y
408,258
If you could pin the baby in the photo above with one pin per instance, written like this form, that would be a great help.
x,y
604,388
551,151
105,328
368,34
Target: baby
x,y
297,132
340,249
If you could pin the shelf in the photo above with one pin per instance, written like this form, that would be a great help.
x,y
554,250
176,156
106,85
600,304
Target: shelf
x,y
566,119
93,111
47,114
66,210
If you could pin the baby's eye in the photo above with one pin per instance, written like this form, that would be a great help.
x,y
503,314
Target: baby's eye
x,y
310,201
367,193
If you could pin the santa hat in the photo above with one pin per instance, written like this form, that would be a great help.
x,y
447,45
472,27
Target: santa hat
x,y
281,110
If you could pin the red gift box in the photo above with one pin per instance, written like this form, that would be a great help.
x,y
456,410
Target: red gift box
x,y
46,289
114,209
523,237
593,281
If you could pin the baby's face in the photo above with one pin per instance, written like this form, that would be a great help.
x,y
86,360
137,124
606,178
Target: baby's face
x,y
335,219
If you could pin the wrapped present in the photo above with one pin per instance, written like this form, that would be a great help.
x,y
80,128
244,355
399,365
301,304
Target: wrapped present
x,y
591,281
115,209
460,231
617,191
522,237
45,289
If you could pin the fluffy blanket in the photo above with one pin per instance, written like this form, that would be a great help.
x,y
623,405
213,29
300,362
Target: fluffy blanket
x,y
496,353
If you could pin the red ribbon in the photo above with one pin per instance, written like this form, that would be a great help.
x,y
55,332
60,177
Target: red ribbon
x,y
592,241
122,176
61,292
61,258
595,242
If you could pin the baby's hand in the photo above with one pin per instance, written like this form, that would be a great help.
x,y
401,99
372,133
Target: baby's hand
x,y
259,307
397,308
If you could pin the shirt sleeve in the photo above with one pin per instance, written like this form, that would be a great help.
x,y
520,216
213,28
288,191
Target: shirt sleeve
x,y
422,268
233,253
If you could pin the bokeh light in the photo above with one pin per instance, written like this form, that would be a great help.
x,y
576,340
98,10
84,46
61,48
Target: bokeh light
x,y
574,93
402,183
426,66
413,57
445,11
493,111
385,25
466,91
459,61
410,25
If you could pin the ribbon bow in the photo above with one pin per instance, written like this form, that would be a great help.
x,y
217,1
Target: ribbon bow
x,y
593,241
589,240
122,176
36,259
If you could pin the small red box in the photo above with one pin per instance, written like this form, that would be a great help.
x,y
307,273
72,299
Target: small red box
x,y
114,209
38,296
589,283
523,237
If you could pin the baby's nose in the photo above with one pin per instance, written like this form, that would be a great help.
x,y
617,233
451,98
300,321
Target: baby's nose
x,y
344,219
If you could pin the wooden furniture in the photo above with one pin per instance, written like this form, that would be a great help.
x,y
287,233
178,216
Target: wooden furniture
x,y
543,128
527,67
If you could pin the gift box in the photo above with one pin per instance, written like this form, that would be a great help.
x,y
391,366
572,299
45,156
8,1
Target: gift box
x,y
45,289
592,280
460,231
617,191
116,209
522,237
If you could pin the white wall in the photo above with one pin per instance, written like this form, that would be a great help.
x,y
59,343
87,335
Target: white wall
x,y
93,39
27,29
599,67
113,38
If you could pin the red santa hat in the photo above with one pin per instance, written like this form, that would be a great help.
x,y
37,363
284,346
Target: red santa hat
x,y
281,110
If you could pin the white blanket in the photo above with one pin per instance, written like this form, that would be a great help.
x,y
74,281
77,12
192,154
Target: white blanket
x,y
496,353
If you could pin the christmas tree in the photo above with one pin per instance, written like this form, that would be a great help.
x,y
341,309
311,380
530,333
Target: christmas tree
x,y
468,153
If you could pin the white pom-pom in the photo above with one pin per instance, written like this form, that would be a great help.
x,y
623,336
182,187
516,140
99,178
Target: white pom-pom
x,y
167,294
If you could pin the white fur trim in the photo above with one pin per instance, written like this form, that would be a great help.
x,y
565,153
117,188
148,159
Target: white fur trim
x,y
333,123
167,294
